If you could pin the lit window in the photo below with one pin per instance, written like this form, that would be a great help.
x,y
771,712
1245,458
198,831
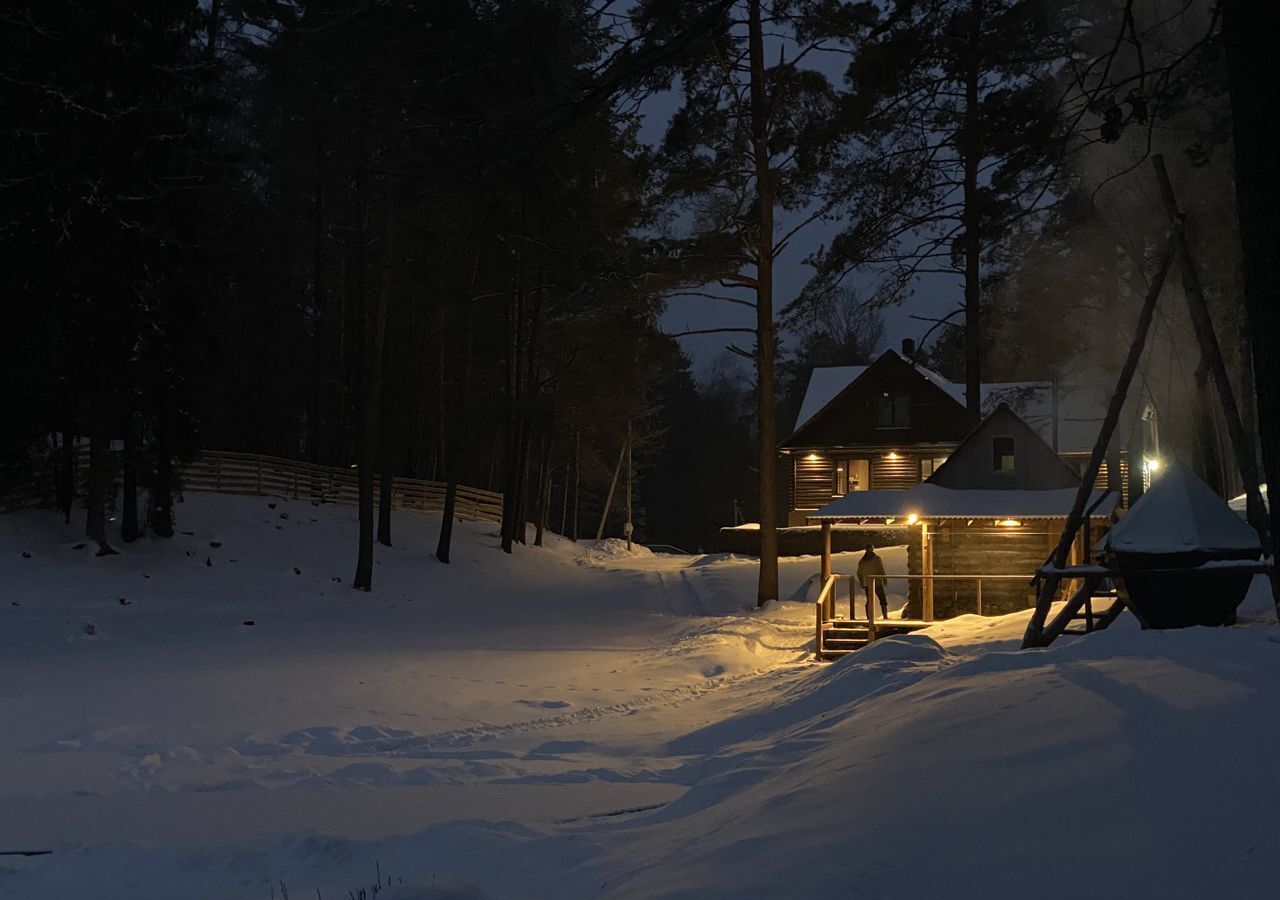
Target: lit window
x,y
930,464
1002,457
893,410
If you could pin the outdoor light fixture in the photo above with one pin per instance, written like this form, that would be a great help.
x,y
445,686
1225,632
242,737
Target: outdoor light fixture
x,y
1008,523
1151,465
892,454
912,518
812,457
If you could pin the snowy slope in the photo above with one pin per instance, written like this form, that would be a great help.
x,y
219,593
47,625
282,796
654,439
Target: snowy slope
x,y
568,724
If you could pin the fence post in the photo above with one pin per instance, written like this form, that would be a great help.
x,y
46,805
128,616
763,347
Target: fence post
x,y
871,607
818,641
979,596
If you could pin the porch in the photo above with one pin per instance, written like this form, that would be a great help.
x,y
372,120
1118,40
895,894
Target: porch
x,y
836,636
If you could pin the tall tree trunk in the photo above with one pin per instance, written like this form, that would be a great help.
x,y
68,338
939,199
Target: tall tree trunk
x,y
577,473
1250,28
388,449
374,336
522,492
322,373
129,483
766,344
1207,457
453,447
386,483
971,151
160,496
544,489
67,473
99,479
513,416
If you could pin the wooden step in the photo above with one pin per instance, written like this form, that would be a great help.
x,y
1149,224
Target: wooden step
x,y
846,628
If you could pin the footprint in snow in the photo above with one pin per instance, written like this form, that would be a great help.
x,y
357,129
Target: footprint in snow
x,y
546,704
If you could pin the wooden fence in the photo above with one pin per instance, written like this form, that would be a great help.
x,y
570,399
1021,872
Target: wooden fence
x,y
254,474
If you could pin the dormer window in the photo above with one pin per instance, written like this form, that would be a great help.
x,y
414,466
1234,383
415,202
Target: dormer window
x,y
893,410
1002,455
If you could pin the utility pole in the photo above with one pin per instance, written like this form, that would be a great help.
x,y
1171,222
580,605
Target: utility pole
x,y
627,528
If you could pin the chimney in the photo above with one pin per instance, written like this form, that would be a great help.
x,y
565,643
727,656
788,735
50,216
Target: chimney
x,y
908,348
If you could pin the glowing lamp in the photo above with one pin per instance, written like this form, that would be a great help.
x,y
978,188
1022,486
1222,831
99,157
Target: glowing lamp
x,y
812,457
912,518
892,454
1008,523
1151,465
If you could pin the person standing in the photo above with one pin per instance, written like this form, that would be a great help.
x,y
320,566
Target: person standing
x,y
871,567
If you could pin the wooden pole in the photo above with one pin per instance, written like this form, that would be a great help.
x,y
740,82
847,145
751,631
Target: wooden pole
x,y
824,569
1035,635
1212,356
871,606
628,527
608,502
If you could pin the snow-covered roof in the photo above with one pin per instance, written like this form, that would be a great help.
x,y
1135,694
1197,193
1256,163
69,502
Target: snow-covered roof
x,y
1179,513
824,384
1081,407
930,501
1240,504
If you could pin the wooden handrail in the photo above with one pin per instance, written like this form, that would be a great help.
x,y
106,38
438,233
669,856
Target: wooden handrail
x,y
820,606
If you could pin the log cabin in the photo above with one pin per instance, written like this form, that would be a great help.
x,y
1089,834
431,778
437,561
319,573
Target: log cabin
x,y
891,424
982,523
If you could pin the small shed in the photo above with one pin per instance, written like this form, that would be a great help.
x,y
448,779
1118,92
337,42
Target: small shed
x,y
1175,551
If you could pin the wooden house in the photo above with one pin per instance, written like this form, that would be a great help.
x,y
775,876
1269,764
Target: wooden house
x,y
892,424
979,527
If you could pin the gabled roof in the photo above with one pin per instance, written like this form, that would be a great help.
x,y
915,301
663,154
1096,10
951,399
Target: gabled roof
x,y
1080,407
827,383
824,384
1179,513
1038,467
930,501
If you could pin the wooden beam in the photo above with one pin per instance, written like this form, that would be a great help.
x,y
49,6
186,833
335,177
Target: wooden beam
x,y
824,570
1211,354
1035,635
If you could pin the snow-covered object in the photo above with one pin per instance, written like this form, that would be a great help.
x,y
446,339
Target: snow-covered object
x,y
930,501
824,384
1181,514
1240,504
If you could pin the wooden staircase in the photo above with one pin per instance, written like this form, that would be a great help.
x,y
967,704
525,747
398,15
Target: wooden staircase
x,y
841,637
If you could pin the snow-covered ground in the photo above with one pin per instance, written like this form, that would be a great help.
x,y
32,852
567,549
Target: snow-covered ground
x,y
216,715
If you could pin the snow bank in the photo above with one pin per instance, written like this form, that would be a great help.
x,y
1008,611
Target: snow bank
x,y
525,726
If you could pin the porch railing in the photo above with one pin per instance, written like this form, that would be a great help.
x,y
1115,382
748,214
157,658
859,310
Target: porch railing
x,y
825,606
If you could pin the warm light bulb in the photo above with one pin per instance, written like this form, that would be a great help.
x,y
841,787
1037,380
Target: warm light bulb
x,y
912,519
892,454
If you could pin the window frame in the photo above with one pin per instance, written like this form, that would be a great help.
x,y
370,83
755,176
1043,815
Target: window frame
x,y
998,458
897,404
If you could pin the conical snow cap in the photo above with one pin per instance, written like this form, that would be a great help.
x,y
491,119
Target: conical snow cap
x,y
1181,514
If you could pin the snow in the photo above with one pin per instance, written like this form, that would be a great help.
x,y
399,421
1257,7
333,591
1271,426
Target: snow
x,y
825,383
1240,504
1180,513
932,501
1081,406
573,721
